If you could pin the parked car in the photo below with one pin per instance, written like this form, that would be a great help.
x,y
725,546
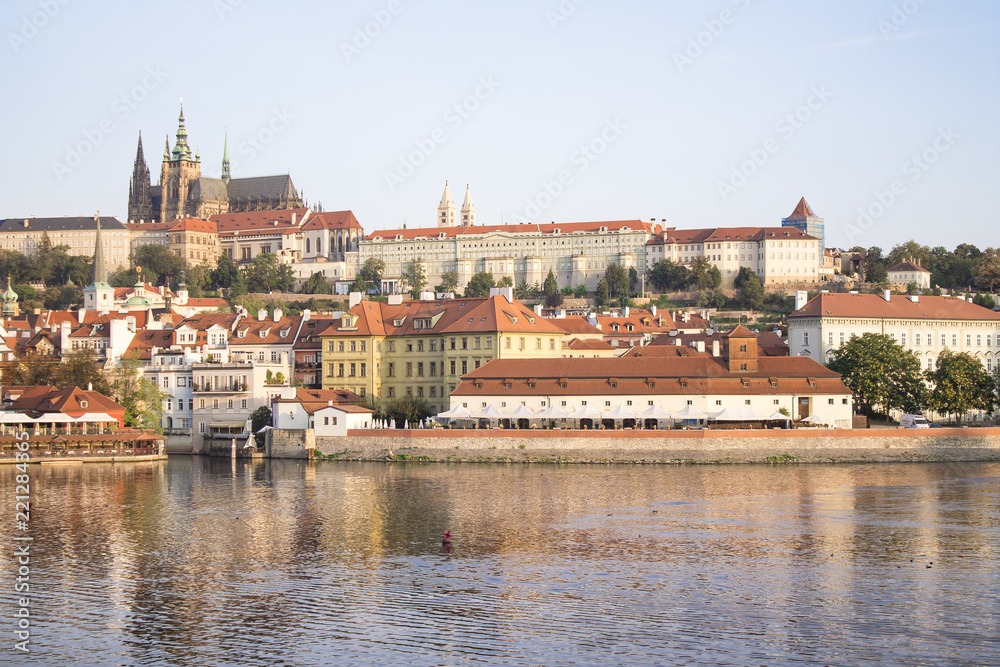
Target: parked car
x,y
914,421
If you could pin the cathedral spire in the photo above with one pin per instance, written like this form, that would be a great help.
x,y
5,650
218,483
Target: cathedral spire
x,y
181,149
140,196
225,159
468,210
166,149
446,209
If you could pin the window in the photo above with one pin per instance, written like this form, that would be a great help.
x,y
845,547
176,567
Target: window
x,y
916,339
201,427
489,343
434,345
326,421
830,401
409,369
420,346
230,404
746,402
275,355
805,337
465,343
465,367
521,343
453,367
201,403
475,343
902,339
843,401
563,403
340,346
420,369
215,404
364,372
392,369
392,392
243,404
453,343
420,392
340,370
433,392
538,343
829,339
409,346
718,401
354,345
507,343
434,369
552,343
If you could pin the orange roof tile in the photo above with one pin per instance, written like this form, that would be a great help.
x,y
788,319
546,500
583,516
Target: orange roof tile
x,y
874,306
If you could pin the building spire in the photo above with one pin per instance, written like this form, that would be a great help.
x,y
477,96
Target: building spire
x,y
140,197
225,159
181,149
446,209
468,210
100,271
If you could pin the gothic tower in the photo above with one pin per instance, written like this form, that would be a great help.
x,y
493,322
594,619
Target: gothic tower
x,y
468,210
225,160
140,196
446,209
805,219
179,172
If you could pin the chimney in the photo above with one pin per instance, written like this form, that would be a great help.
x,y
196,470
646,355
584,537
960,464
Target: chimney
x,y
90,386
538,309
353,299
715,348
701,346
625,312
652,309
395,299
914,298
277,314
261,315
677,341
801,297
427,296
306,314
686,316
887,295
293,218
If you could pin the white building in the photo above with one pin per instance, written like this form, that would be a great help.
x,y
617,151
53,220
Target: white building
x,y
736,380
925,324
904,273
326,412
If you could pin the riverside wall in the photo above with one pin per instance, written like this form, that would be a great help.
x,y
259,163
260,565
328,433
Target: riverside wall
x,y
707,446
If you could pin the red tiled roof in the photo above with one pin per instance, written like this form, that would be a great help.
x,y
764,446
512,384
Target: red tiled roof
x,y
332,220
909,266
228,222
740,331
873,306
251,331
195,225
478,230
576,325
714,234
577,344
802,210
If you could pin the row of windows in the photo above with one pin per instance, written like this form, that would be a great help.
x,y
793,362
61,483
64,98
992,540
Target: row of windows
x,y
918,339
168,404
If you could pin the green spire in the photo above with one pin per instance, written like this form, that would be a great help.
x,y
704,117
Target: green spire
x,y
225,160
9,299
181,149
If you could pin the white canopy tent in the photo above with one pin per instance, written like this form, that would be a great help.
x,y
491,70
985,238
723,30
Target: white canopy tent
x,y
585,412
522,412
489,412
620,412
553,412
689,412
740,413
654,412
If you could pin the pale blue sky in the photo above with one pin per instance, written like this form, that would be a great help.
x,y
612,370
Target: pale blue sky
x,y
884,85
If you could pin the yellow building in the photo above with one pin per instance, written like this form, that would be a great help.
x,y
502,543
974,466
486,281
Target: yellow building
x,y
422,348
195,241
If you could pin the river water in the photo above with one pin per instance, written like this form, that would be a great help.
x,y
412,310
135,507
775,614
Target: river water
x,y
207,562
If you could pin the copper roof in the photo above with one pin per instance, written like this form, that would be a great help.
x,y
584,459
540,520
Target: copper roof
x,y
802,210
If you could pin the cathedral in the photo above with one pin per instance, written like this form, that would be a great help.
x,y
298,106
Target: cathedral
x,y
183,192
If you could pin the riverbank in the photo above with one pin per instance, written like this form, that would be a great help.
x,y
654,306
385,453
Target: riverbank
x,y
707,446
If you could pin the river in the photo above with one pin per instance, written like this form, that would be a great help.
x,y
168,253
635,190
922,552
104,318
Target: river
x,y
196,561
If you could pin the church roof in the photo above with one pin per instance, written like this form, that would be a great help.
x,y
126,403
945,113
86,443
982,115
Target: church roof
x,y
908,266
211,189
332,220
263,187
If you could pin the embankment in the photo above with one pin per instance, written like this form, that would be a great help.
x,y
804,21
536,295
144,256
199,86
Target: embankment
x,y
710,446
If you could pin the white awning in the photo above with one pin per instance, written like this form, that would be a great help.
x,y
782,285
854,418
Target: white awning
x,y
457,412
522,412
689,412
490,412
554,412
654,412
620,412
740,413
585,412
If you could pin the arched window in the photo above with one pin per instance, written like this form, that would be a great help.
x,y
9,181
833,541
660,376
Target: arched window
x,y
319,245
307,246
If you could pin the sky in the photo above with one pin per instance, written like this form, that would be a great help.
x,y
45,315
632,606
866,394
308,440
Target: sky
x,y
884,114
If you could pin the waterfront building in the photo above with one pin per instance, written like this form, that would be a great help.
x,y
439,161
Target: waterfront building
x,y
906,272
927,325
325,412
307,350
422,348
738,379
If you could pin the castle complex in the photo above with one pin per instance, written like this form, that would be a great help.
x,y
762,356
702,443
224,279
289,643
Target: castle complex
x,y
183,192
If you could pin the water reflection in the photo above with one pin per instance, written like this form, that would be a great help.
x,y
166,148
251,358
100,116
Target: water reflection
x,y
201,561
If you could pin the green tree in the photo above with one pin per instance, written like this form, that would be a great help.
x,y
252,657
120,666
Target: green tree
x,y
62,298
268,274
317,284
877,274
702,275
882,374
371,272
416,277
479,285
197,279
909,251
987,272
553,297
141,398
15,265
80,368
260,418
402,409
506,281
618,283
668,276
225,272
580,291
711,298
984,300
603,294
449,282
251,302
960,384
157,262
752,292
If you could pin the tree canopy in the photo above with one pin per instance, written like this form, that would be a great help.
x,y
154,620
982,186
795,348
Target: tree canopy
x,y
317,284
371,273
882,374
416,277
479,285
960,384
268,274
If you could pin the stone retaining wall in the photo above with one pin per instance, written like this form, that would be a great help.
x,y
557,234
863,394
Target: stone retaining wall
x,y
813,445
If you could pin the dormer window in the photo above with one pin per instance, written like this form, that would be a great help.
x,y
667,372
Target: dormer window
x,y
83,404
283,333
